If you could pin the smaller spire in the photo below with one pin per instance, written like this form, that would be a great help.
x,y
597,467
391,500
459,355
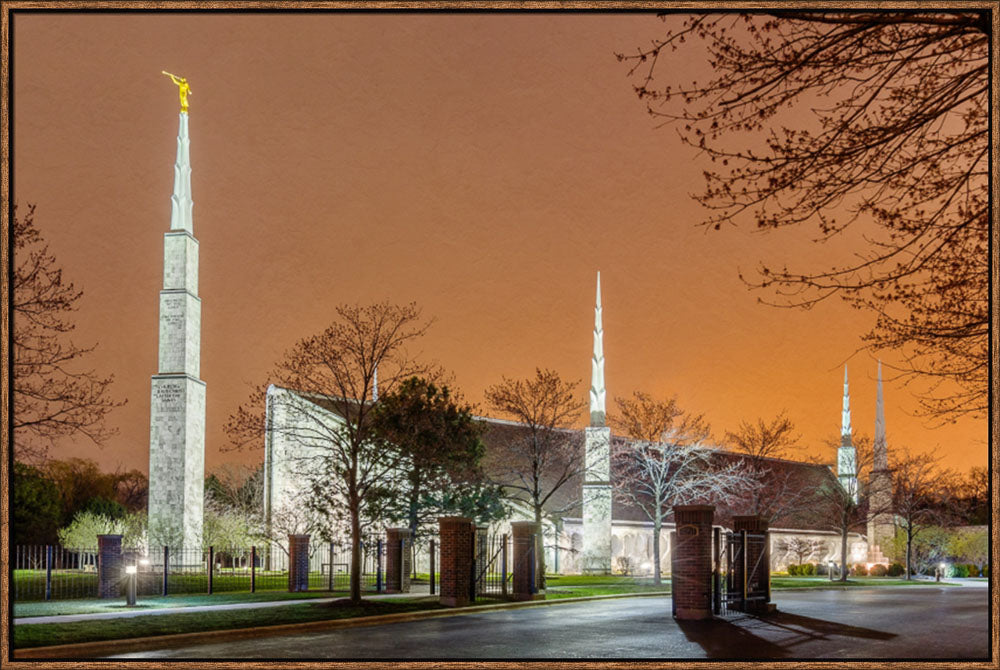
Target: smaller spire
x,y
597,392
845,416
880,449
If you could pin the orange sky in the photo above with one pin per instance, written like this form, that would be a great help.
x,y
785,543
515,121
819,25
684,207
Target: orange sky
x,y
485,166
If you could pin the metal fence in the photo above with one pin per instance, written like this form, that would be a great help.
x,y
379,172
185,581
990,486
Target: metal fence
x,y
492,566
57,573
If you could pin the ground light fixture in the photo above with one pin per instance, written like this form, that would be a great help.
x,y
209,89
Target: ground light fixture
x,y
130,571
832,566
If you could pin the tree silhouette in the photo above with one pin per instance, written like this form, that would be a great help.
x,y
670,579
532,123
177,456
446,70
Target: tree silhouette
x,y
541,457
53,397
887,137
329,414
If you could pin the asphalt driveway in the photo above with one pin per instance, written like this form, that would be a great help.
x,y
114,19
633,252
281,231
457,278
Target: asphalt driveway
x,y
906,622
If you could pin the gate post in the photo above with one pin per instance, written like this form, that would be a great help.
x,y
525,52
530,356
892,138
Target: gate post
x,y
757,553
397,560
717,571
109,566
298,563
691,575
430,562
524,534
456,562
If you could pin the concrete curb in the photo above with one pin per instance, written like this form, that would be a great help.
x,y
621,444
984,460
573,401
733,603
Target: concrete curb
x,y
102,648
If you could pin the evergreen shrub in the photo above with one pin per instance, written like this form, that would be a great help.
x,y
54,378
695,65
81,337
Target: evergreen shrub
x,y
896,570
879,570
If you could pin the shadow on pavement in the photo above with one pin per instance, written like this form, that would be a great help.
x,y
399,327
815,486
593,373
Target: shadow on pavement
x,y
772,636
723,639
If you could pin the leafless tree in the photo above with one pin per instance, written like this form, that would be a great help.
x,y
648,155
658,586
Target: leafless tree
x,y
53,396
540,457
802,548
328,415
918,486
778,490
662,461
887,139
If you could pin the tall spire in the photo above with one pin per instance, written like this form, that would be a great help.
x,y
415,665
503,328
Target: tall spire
x,y
845,416
597,392
177,401
375,384
881,454
181,204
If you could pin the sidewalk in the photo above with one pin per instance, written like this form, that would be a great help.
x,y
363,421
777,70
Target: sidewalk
x,y
71,618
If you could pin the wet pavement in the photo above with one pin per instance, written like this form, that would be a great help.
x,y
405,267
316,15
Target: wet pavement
x,y
882,623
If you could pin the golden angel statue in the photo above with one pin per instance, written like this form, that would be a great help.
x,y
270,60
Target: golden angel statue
x,y
183,88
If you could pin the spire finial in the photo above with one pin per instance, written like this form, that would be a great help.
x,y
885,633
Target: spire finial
x,y
597,392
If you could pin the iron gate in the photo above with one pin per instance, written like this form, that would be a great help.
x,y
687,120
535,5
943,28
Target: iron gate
x,y
491,574
741,575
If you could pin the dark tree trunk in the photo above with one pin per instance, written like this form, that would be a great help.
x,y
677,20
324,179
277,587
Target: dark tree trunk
x,y
355,552
657,524
843,553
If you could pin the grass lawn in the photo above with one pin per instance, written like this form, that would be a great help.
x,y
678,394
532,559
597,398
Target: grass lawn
x,y
37,635
824,582
60,607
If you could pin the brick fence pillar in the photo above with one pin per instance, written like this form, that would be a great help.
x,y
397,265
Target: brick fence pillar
x,y
691,561
758,554
524,537
298,562
110,569
398,565
457,535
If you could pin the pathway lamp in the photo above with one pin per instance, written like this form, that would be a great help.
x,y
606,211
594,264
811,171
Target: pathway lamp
x,y
130,585
832,567
941,569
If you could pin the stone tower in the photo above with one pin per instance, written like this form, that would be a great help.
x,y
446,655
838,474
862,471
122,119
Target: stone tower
x,y
177,407
596,557
880,526
847,456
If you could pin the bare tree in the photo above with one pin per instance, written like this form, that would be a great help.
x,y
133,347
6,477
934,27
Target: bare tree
x,y
778,490
973,493
237,490
53,397
918,485
328,415
541,457
888,141
802,548
662,462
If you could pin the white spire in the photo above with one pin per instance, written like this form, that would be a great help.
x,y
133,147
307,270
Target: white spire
x,y
181,205
845,417
597,392
375,384
881,454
